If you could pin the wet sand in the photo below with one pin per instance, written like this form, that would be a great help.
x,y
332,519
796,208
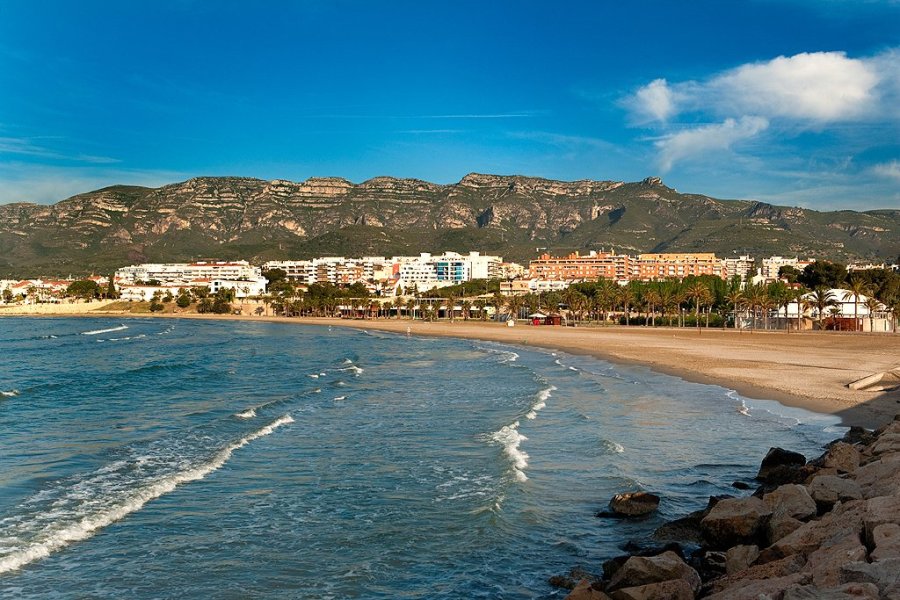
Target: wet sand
x,y
809,370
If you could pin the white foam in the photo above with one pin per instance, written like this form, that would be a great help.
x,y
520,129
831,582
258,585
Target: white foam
x,y
341,398
9,393
617,447
509,437
541,402
45,538
99,331
572,369
356,370
313,375
247,414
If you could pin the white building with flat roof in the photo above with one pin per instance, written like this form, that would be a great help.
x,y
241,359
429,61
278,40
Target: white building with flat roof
x,y
239,270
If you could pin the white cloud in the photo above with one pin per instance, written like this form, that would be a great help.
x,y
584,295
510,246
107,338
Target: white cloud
x,y
702,140
808,88
890,170
817,86
654,102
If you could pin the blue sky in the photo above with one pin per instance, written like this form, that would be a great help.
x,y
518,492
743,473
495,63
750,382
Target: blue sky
x,y
793,102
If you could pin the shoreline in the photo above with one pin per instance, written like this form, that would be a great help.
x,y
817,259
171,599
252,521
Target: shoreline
x,y
808,370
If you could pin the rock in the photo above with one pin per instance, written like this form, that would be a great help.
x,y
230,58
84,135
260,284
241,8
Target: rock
x,y
614,564
790,565
825,563
641,570
887,443
735,521
778,464
858,435
585,591
739,558
849,591
780,526
740,485
636,504
757,589
685,529
845,519
885,573
675,589
827,490
571,579
709,564
880,477
841,456
886,539
880,511
791,500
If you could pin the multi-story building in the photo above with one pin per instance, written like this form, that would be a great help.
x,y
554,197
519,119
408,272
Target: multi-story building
x,y
772,265
168,272
741,266
575,267
664,266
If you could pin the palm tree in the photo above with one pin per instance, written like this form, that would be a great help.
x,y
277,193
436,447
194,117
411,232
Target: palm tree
x,y
857,287
514,306
481,304
398,304
700,294
466,307
872,305
735,298
411,308
626,299
653,298
822,298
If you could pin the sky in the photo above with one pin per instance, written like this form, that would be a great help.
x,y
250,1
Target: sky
x,y
793,102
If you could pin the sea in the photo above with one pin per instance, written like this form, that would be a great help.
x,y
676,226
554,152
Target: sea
x,y
157,458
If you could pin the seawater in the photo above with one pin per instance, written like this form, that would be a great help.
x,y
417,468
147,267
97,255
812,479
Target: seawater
x,y
150,458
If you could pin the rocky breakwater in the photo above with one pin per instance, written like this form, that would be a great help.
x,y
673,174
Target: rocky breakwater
x,y
828,528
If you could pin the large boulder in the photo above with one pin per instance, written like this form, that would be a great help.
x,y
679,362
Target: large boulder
x,y
781,466
739,558
756,589
842,457
735,521
848,591
786,567
886,540
885,574
644,570
825,563
880,511
880,477
674,589
828,490
636,504
887,443
846,519
780,526
791,500
585,591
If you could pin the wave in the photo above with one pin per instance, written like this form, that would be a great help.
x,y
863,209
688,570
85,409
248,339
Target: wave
x,y
509,438
541,401
9,393
613,446
99,500
341,398
247,414
313,375
110,330
356,370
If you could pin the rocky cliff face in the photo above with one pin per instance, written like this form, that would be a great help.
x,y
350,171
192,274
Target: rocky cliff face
x,y
512,215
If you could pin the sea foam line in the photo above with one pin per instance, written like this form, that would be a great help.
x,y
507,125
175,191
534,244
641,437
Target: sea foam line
x,y
509,437
9,393
99,331
541,402
56,535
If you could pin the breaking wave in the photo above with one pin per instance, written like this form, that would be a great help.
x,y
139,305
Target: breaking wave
x,y
53,519
110,330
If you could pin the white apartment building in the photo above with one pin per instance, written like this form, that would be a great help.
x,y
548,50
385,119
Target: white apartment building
x,y
183,272
741,266
427,272
335,269
771,266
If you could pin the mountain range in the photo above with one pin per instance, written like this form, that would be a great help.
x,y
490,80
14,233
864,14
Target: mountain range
x,y
514,216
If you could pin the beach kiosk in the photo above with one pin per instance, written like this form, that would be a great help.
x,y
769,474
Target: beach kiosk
x,y
537,318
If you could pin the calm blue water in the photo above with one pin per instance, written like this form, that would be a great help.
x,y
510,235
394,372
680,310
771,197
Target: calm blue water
x,y
154,458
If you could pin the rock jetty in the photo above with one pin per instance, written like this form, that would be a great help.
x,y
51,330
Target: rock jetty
x,y
828,528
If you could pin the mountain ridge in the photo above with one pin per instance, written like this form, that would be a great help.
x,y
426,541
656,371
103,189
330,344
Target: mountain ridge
x,y
512,215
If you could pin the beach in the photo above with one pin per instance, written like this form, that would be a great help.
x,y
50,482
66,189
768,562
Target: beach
x,y
810,370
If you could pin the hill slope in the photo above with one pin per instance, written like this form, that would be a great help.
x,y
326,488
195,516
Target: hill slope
x,y
232,217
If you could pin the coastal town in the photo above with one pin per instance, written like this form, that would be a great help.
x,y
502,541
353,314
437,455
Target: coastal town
x,y
684,289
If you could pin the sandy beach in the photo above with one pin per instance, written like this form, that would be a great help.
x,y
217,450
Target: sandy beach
x,y
808,370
